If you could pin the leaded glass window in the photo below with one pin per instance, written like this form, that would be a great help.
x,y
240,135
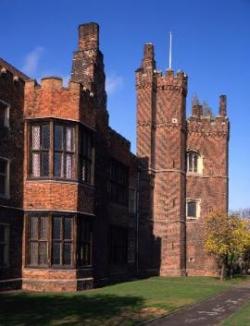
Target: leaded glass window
x,y
40,145
38,240
62,239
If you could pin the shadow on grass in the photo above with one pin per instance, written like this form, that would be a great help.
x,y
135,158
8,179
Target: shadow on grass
x,y
65,309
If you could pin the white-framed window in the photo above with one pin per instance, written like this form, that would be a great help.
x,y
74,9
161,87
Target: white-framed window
x,y
4,114
4,245
4,177
193,208
194,162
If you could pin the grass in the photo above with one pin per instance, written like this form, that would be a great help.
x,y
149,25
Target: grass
x,y
121,304
240,318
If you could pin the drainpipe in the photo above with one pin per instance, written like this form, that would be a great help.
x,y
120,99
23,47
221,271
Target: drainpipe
x,y
137,222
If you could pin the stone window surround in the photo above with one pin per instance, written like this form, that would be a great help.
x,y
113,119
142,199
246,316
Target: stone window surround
x,y
199,162
198,208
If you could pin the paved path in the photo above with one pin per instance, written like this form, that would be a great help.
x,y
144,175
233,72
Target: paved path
x,y
209,312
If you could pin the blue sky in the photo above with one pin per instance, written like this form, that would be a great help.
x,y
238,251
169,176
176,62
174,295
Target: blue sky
x,y
211,44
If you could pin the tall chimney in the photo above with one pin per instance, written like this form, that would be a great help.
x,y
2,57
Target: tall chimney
x,y
88,36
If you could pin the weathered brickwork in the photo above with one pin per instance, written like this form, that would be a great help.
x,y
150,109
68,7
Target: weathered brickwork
x,y
81,209
12,84
209,137
164,137
44,199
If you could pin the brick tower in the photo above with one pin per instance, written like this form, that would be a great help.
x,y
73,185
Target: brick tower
x,y
207,181
161,148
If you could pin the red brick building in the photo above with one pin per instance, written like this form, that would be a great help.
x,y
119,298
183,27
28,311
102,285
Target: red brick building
x,y
77,208
183,171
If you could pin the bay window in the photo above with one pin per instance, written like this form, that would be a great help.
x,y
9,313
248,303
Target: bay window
x,y
40,145
58,148
38,240
50,241
62,240
86,156
64,151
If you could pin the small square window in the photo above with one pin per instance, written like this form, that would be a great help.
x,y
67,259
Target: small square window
x,y
193,209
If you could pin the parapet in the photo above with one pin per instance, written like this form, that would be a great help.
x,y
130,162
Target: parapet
x,y
50,99
202,111
170,78
204,122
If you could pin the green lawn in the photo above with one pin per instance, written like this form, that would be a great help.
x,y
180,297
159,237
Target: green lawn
x,y
121,304
240,318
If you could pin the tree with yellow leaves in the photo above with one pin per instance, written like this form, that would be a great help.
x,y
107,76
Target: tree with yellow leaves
x,y
227,238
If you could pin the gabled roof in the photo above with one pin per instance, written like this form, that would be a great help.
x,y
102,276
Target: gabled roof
x,y
13,70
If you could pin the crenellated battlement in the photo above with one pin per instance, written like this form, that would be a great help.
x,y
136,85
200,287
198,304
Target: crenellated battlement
x,y
202,119
208,126
51,98
148,75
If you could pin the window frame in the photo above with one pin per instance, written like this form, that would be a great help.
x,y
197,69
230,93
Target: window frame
x,y
118,190
76,153
50,264
38,240
118,253
6,242
40,150
132,201
197,207
64,152
196,156
83,243
6,123
87,156
6,194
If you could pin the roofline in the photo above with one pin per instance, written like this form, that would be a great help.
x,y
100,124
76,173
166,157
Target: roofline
x,y
14,70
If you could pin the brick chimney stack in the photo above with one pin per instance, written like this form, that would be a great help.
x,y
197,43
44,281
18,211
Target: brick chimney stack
x,y
223,106
87,65
88,36
148,57
197,110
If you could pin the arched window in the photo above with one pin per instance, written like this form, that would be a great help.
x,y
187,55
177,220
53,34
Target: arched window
x,y
194,162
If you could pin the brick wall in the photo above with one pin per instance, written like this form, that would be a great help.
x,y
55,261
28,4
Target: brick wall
x,y
163,138
209,137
